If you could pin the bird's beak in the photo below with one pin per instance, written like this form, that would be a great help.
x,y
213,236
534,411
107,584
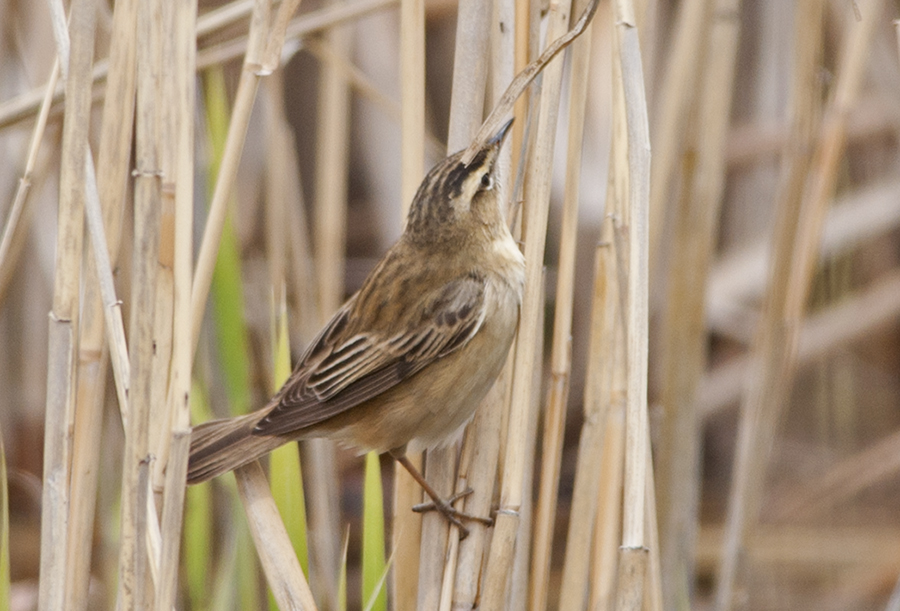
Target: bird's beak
x,y
500,136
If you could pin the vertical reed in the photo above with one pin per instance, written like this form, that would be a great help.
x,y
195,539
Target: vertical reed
x,y
75,64
684,341
797,238
406,526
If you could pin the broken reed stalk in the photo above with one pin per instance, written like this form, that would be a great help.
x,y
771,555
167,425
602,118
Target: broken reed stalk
x,y
470,69
11,241
561,355
135,590
406,526
797,238
537,193
178,168
75,63
696,223
277,556
633,555
329,238
676,95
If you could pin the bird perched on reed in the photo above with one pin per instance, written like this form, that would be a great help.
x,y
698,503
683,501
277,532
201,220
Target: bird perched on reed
x,y
406,360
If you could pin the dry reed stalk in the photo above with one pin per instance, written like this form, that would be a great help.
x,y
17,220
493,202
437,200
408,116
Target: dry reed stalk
x,y
592,451
505,103
841,481
797,241
180,169
521,563
854,218
300,272
633,555
412,98
160,428
234,144
135,591
27,104
116,155
608,526
114,158
277,187
676,98
561,354
406,526
330,220
12,240
811,545
367,89
279,562
470,68
854,317
75,63
685,338
481,447
537,192
524,43
605,543
478,471
653,596
897,31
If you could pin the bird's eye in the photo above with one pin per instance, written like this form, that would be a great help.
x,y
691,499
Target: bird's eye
x,y
487,182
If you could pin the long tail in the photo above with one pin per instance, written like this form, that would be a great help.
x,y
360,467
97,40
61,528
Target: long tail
x,y
218,446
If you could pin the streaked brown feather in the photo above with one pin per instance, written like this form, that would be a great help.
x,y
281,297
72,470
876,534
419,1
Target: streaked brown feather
x,y
340,372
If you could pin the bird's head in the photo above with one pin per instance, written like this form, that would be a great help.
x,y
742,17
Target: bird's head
x,y
455,199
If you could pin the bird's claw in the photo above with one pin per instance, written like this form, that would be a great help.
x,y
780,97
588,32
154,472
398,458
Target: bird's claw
x,y
451,514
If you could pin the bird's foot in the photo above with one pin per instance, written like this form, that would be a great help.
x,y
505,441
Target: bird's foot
x,y
451,514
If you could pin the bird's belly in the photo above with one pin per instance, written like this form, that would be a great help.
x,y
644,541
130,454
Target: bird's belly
x,y
427,409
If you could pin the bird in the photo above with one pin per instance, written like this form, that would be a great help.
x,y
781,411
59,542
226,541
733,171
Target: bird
x,y
404,363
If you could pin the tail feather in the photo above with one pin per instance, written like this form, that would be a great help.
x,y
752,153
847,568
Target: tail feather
x,y
219,446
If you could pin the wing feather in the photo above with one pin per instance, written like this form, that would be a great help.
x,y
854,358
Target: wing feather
x,y
338,372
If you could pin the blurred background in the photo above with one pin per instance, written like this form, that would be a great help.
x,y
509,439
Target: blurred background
x,y
825,531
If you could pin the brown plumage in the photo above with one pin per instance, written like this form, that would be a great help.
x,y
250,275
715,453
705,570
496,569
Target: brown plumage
x,y
406,360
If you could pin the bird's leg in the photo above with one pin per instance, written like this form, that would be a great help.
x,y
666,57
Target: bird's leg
x,y
445,507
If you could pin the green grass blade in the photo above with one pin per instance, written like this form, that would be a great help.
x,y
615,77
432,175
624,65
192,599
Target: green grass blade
x,y
4,530
373,564
227,288
230,329
197,545
342,576
284,465
380,587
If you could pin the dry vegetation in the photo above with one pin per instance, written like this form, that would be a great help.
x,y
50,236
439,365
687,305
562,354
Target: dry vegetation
x,y
180,186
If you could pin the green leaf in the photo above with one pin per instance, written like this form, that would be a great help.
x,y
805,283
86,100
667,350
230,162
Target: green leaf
x,y
227,288
230,332
197,547
373,564
284,466
342,576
